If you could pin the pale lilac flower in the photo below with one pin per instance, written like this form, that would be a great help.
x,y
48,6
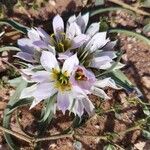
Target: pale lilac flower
x,y
82,77
63,40
55,80
98,50
31,52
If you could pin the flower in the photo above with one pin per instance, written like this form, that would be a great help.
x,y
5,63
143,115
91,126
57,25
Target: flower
x,y
55,80
31,52
97,52
59,41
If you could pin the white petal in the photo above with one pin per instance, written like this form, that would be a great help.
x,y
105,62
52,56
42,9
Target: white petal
x,y
88,106
43,91
33,35
58,24
41,76
64,101
103,62
92,29
99,92
48,61
73,30
71,20
26,45
86,18
111,54
45,36
97,41
82,21
107,82
79,40
70,63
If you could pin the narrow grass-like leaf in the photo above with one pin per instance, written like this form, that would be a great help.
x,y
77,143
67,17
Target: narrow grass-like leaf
x,y
121,79
15,82
9,48
109,9
146,134
109,147
14,24
6,118
131,33
20,102
49,108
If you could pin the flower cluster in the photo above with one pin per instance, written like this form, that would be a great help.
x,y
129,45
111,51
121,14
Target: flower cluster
x,y
64,64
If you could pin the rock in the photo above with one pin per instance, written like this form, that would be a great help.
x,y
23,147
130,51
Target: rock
x,y
2,105
146,81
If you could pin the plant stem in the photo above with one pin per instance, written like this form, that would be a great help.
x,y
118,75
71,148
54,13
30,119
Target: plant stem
x,y
135,9
18,135
54,137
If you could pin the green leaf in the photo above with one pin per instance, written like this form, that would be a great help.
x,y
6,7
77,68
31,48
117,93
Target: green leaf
x,y
109,9
20,102
99,2
146,134
146,28
131,33
112,67
14,24
6,118
15,82
109,147
103,25
76,122
146,3
49,111
146,110
121,79
9,48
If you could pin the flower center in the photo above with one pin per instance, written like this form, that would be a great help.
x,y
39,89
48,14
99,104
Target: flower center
x,y
79,75
62,80
62,44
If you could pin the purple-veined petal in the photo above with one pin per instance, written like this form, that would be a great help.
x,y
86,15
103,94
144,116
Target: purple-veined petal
x,y
33,34
99,92
25,56
79,41
41,76
41,44
82,21
110,54
70,63
107,82
71,20
48,61
26,45
92,29
78,107
58,25
45,36
43,91
65,55
101,62
73,30
88,106
110,46
85,17
63,101
97,41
